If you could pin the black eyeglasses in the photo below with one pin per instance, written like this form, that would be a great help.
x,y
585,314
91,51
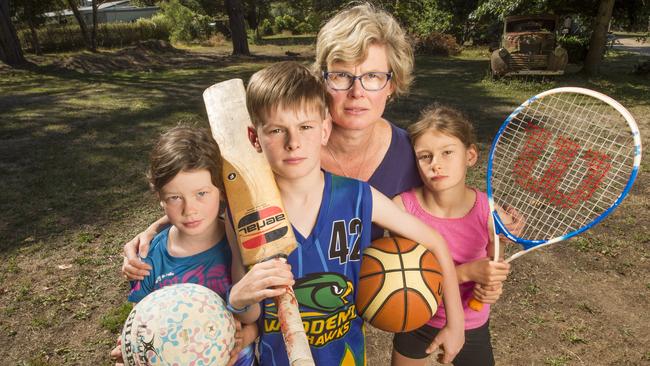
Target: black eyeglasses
x,y
370,81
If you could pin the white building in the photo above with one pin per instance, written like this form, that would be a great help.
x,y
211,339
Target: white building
x,y
109,12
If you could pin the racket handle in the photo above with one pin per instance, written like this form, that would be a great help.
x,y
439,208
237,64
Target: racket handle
x,y
475,304
292,329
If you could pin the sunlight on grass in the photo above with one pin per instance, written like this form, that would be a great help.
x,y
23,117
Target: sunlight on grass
x,y
74,150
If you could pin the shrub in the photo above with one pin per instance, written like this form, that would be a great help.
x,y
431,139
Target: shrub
x,y
303,28
576,47
285,22
265,27
56,38
187,25
216,39
436,44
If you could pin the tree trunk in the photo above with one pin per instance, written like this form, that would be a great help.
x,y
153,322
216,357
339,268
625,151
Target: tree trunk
x,y
237,27
251,14
82,24
10,51
598,40
93,34
35,42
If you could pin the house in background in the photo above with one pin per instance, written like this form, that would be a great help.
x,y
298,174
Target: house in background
x,y
108,12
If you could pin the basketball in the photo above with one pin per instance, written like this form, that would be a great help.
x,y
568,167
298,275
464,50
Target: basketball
x,y
182,324
400,285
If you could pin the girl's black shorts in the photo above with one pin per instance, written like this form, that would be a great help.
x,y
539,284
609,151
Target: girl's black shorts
x,y
477,350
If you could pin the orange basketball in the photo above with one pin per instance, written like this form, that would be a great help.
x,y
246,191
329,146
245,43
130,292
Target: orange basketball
x,y
400,285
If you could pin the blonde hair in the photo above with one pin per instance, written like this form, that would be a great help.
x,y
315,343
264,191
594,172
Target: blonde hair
x,y
184,148
446,120
346,37
285,84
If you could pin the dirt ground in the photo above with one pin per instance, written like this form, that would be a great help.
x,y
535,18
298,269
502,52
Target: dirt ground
x,y
583,302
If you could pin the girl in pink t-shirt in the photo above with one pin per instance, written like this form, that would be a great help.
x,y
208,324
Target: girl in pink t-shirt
x,y
445,147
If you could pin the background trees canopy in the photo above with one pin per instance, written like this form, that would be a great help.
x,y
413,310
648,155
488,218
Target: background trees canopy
x,y
474,21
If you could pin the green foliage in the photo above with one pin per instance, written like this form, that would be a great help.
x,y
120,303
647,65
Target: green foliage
x,y
141,3
297,17
187,24
285,22
576,47
303,28
55,38
421,18
499,9
265,27
32,11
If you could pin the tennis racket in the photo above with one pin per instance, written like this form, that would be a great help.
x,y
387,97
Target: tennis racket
x,y
563,160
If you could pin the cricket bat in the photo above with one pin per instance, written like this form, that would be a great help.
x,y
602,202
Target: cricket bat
x,y
259,219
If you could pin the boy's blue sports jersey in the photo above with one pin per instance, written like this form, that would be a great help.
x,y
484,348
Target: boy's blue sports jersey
x,y
210,268
326,267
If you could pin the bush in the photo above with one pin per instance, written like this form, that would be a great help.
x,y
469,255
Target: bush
x,y
216,39
265,27
436,44
187,25
56,38
303,28
285,22
576,47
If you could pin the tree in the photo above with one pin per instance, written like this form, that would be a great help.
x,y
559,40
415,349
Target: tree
x,y
82,25
93,34
32,13
237,27
598,37
10,51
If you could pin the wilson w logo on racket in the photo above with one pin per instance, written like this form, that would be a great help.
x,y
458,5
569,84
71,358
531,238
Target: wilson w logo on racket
x,y
566,150
562,161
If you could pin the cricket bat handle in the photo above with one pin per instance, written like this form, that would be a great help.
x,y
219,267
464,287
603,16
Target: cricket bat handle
x,y
293,332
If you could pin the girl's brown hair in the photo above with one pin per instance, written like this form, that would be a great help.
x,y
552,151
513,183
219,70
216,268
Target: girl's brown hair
x,y
184,148
446,120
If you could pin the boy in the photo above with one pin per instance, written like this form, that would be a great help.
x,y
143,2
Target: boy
x,y
331,217
185,175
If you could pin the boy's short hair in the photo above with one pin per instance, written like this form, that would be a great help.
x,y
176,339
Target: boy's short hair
x,y
446,120
184,148
346,37
288,85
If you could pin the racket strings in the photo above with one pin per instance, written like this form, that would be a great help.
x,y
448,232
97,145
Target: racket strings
x,y
561,161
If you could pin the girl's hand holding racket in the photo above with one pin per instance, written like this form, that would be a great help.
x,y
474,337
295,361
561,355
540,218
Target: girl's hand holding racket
x,y
485,271
488,294
561,162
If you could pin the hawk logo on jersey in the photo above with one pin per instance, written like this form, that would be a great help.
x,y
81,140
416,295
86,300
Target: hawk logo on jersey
x,y
330,296
325,292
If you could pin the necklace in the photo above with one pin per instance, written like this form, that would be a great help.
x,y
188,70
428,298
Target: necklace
x,y
363,160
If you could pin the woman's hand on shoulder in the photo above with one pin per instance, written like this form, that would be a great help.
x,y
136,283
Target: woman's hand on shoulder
x,y
133,268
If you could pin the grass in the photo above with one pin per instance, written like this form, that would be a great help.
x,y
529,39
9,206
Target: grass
x,y
73,154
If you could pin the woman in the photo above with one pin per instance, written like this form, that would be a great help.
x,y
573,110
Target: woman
x,y
365,58
363,54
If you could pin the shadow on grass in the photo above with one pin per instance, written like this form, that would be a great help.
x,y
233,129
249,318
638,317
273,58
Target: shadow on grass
x,y
74,145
